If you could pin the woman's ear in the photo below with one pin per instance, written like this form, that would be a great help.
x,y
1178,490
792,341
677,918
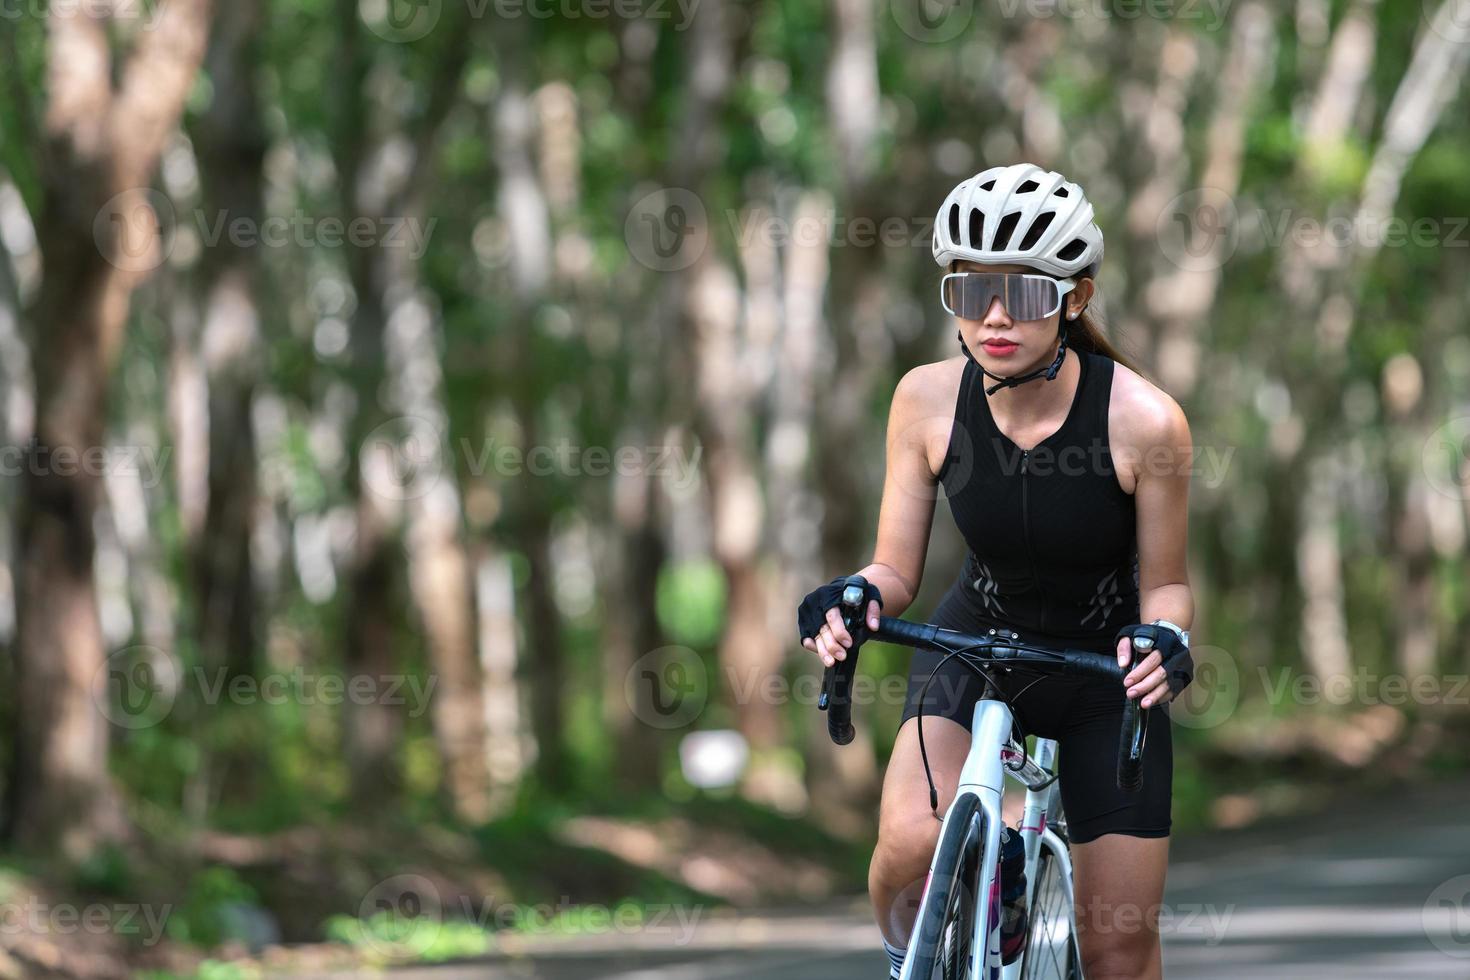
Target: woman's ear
x,y
1078,298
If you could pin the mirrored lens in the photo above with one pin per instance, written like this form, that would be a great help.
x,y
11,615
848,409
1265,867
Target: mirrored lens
x,y
969,294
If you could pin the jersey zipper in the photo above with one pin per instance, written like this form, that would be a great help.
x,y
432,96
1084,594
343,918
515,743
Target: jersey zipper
x,y
1030,555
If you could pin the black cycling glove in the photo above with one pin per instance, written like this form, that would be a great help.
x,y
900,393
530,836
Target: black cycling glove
x,y
811,615
1177,662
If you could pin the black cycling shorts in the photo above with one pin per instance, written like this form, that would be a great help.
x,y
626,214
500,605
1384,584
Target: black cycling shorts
x,y
1082,714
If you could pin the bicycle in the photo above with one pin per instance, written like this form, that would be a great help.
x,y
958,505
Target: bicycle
x,y
957,931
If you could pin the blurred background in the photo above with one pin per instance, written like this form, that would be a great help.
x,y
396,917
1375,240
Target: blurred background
x,y
421,419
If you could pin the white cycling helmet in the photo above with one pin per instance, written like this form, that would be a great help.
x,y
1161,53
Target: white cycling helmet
x,y
1018,214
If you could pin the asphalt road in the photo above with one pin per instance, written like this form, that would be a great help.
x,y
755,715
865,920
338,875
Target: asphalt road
x,y
1379,889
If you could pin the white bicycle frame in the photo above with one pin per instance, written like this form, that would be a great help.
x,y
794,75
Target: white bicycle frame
x,y
993,753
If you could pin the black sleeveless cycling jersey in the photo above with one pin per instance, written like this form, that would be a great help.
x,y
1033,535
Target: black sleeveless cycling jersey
x,y
1054,557
1052,537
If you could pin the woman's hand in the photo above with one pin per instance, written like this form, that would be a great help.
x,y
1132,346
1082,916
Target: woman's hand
x,y
1147,679
832,641
819,619
1150,679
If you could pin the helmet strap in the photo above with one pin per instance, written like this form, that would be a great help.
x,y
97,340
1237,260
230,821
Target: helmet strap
x,y
1049,373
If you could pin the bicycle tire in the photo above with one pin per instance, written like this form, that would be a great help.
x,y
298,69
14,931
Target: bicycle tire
x,y
1051,953
949,911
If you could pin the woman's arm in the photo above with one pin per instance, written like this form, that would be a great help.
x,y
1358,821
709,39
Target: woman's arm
x,y
1163,454
918,435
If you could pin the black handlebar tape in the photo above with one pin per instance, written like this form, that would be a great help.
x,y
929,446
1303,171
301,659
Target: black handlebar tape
x,y
904,632
1101,666
1130,746
836,697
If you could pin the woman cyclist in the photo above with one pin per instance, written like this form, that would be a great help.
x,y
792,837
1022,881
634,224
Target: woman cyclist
x,y
1071,495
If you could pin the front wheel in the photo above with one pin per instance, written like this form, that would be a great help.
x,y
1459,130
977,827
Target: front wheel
x,y
1051,951
941,942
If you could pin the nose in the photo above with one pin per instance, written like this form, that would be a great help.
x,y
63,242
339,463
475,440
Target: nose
x,y
996,315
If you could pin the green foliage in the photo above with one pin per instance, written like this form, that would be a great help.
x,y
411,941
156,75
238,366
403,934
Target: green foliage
x,y
202,918
387,937
691,602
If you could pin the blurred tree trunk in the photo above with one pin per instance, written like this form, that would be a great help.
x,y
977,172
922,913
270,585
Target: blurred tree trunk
x,y
98,237
846,474
635,553
371,728
523,205
401,418
504,733
230,142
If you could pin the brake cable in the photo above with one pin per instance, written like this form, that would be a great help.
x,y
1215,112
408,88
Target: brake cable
x,y
966,657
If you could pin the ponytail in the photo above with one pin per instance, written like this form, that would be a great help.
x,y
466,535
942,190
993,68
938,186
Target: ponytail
x,y
1087,331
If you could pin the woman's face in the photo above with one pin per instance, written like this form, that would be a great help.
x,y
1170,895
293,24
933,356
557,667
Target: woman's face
x,y
1008,346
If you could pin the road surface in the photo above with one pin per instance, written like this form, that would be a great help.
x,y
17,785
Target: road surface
x,y
1376,890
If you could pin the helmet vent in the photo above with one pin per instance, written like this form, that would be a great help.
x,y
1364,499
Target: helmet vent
x,y
989,185
1060,192
1027,187
977,228
1037,227
954,223
1007,227
1074,248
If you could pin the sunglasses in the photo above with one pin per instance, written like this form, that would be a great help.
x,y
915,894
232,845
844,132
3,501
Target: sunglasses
x,y
968,295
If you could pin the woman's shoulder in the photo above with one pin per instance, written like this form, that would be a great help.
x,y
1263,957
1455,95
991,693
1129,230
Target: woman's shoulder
x,y
923,407
1143,416
929,389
